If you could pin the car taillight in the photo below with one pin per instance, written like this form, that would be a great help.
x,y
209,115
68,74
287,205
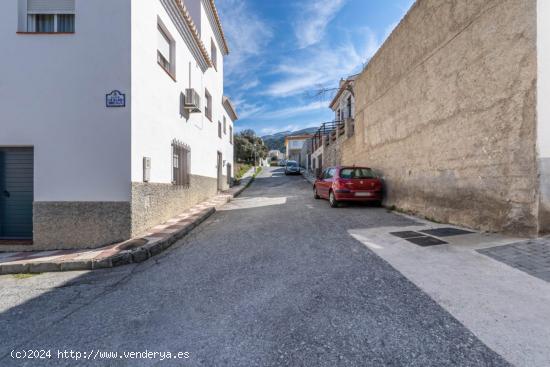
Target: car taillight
x,y
339,184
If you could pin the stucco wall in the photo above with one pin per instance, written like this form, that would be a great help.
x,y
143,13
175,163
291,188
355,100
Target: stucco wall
x,y
155,203
446,111
52,97
156,118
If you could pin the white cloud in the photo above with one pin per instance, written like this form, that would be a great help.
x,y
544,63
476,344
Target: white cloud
x,y
248,36
323,66
293,111
313,18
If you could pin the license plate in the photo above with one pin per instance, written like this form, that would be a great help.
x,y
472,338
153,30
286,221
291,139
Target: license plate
x,y
363,194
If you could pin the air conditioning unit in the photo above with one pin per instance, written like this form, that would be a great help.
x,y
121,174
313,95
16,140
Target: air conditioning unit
x,y
192,101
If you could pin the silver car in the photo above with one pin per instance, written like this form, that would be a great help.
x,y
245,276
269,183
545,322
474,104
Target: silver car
x,y
292,168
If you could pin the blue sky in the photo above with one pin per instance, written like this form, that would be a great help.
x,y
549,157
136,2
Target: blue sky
x,y
281,51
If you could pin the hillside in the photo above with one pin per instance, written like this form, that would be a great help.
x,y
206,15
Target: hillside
x,y
277,140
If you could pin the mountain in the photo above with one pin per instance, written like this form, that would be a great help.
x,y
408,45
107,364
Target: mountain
x,y
277,140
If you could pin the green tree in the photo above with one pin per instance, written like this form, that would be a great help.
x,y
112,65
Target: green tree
x,y
249,148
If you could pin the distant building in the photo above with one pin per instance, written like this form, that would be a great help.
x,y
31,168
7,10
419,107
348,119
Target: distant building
x,y
276,154
294,146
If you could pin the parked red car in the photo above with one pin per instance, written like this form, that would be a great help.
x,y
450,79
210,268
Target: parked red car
x,y
338,184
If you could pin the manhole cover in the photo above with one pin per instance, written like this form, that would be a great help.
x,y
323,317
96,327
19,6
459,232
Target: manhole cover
x,y
406,234
132,244
426,241
447,231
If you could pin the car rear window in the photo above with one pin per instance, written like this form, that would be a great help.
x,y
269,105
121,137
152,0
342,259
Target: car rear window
x,y
357,173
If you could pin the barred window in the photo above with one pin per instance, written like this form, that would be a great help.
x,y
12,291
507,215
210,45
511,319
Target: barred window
x,y
181,162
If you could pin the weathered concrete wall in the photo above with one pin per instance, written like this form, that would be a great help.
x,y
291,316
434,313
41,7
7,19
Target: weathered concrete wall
x,y
446,110
87,224
154,203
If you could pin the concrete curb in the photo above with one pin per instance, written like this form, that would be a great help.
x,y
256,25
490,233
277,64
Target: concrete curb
x,y
306,177
136,255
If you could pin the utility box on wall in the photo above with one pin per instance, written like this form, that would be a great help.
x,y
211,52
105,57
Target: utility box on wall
x,y
146,169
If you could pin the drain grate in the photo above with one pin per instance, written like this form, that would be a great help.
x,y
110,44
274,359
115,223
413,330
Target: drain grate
x,y
406,234
445,232
426,241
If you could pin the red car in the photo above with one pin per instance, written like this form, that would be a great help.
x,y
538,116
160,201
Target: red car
x,y
338,184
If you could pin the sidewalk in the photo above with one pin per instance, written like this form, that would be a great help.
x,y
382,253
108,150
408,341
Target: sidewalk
x,y
497,286
134,250
308,176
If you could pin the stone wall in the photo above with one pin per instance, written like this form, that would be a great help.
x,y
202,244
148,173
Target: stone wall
x,y
446,111
154,203
66,225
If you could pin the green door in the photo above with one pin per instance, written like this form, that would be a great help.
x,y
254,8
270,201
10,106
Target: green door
x,y
16,192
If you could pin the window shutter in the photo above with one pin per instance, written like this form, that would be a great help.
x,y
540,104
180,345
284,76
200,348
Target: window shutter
x,y
163,45
50,6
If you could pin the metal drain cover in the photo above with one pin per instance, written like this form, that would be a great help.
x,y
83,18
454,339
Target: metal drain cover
x,y
426,241
447,231
406,234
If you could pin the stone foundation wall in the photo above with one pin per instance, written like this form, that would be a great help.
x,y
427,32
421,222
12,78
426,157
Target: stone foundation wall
x,y
446,111
154,203
67,225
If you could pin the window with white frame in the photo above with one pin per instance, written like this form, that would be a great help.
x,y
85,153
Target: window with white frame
x,y
214,54
166,50
231,134
46,16
224,125
219,130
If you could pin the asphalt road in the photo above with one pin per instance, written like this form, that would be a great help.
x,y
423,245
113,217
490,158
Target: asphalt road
x,y
274,279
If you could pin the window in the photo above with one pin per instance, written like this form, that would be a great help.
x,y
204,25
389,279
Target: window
x,y
181,155
166,50
349,107
219,130
329,173
214,54
231,134
52,16
208,107
361,173
224,125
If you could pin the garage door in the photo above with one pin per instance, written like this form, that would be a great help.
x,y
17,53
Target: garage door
x,y
16,193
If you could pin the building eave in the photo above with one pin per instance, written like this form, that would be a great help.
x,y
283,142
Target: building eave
x,y
181,18
228,105
214,17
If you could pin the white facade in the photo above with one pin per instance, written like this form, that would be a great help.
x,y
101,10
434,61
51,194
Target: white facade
x,y
53,97
156,120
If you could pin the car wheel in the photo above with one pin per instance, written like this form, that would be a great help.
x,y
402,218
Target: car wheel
x,y
332,200
315,193
378,203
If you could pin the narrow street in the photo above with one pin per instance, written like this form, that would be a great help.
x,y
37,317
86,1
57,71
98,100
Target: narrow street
x,y
274,278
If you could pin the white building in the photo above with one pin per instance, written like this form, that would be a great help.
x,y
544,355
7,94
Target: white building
x,y
275,153
293,146
112,117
